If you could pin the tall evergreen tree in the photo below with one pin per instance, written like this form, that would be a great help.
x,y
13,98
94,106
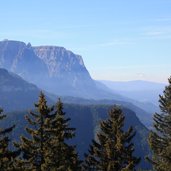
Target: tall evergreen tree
x,y
46,149
160,137
34,147
7,157
113,150
63,157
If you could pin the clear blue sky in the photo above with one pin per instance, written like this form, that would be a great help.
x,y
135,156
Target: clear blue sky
x,y
118,39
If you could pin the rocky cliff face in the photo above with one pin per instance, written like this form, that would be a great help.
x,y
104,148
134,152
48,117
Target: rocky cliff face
x,y
66,69
20,58
59,60
51,68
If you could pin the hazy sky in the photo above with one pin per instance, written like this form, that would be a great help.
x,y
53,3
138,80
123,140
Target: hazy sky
x,y
118,39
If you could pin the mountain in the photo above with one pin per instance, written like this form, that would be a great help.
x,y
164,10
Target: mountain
x,y
143,94
67,74
85,118
16,93
17,57
142,91
52,68
144,116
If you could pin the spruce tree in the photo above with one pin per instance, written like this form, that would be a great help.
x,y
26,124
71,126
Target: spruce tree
x,y
113,150
63,157
46,148
7,157
160,137
34,146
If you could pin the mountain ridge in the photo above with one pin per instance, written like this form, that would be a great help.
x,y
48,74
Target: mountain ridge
x,y
16,93
141,90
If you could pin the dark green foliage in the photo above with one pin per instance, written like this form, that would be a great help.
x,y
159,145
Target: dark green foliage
x,y
34,147
85,119
160,138
45,148
113,149
7,157
61,155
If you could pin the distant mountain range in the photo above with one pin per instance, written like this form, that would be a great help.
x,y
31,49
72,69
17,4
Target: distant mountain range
x,y
142,91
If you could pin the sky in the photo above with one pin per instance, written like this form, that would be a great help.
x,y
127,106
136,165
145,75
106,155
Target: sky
x,y
119,40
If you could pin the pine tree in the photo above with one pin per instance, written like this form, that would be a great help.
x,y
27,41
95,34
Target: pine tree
x,y
63,157
160,137
113,151
7,157
34,147
46,149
